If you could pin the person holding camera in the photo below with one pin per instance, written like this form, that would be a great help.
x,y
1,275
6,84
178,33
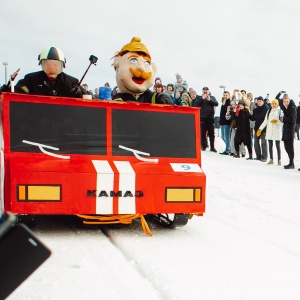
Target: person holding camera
x,y
260,142
298,121
225,123
241,115
207,103
273,126
289,122
280,97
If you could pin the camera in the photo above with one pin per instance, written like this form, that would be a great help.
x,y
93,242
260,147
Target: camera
x,y
93,59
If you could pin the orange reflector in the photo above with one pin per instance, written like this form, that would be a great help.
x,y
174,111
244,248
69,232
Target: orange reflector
x,y
183,194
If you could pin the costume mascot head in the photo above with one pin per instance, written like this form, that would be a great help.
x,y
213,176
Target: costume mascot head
x,y
135,72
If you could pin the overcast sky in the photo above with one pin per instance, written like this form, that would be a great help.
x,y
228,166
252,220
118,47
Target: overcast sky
x,y
252,45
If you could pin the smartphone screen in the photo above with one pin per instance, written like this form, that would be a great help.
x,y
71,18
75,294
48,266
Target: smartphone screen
x,y
21,253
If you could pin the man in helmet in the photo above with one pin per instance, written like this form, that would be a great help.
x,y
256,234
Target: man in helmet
x,y
135,74
51,81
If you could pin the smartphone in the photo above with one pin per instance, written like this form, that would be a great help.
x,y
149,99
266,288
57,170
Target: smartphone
x,y
21,253
7,221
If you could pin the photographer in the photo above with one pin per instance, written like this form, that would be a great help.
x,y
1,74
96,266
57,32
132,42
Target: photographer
x,y
289,123
260,143
280,97
207,102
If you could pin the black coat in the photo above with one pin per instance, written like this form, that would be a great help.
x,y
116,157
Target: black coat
x,y
243,133
289,121
258,116
37,83
298,114
146,97
223,111
207,106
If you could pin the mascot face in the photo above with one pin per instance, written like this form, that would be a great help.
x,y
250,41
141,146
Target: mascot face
x,y
134,71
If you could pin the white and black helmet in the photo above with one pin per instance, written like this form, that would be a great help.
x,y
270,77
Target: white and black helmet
x,y
53,53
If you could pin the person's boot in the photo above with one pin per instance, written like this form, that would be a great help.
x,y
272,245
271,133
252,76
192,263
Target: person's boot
x,y
290,166
250,157
271,162
237,155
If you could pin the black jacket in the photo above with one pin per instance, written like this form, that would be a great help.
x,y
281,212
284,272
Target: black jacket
x,y
289,121
37,83
223,111
207,106
298,114
258,116
146,97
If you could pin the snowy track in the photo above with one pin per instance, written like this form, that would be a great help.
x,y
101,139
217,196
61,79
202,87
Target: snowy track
x,y
246,246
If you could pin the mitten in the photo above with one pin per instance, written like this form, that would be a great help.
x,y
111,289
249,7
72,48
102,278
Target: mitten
x,y
258,133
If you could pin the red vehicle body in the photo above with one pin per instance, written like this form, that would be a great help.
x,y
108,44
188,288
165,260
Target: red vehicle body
x,y
74,156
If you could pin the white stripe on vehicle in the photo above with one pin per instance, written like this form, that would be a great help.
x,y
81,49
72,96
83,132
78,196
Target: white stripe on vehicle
x,y
105,182
126,183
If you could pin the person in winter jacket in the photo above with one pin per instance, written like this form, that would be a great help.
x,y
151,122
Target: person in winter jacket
x,y
207,103
224,123
298,121
230,116
260,143
177,98
280,97
251,108
243,134
186,100
289,122
51,81
180,83
274,129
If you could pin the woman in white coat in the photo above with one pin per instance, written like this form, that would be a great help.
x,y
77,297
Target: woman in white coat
x,y
274,129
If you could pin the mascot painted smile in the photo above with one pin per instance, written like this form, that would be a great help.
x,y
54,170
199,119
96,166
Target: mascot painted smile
x,y
135,74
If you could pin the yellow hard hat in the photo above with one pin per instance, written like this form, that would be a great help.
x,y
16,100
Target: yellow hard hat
x,y
135,45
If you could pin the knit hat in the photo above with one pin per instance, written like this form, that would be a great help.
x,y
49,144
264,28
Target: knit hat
x,y
260,98
241,102
193,91
275,101
157,78
135,45
178,75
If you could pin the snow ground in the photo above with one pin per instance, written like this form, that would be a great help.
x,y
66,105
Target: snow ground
x,y
246,246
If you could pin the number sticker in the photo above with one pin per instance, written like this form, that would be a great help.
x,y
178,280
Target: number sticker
x,y
185,167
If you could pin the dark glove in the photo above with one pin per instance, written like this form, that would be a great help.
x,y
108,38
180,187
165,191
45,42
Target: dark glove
x,y
76,92
5,88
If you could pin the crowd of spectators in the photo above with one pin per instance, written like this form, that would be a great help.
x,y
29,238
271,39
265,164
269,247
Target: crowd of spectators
x,y
246,122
